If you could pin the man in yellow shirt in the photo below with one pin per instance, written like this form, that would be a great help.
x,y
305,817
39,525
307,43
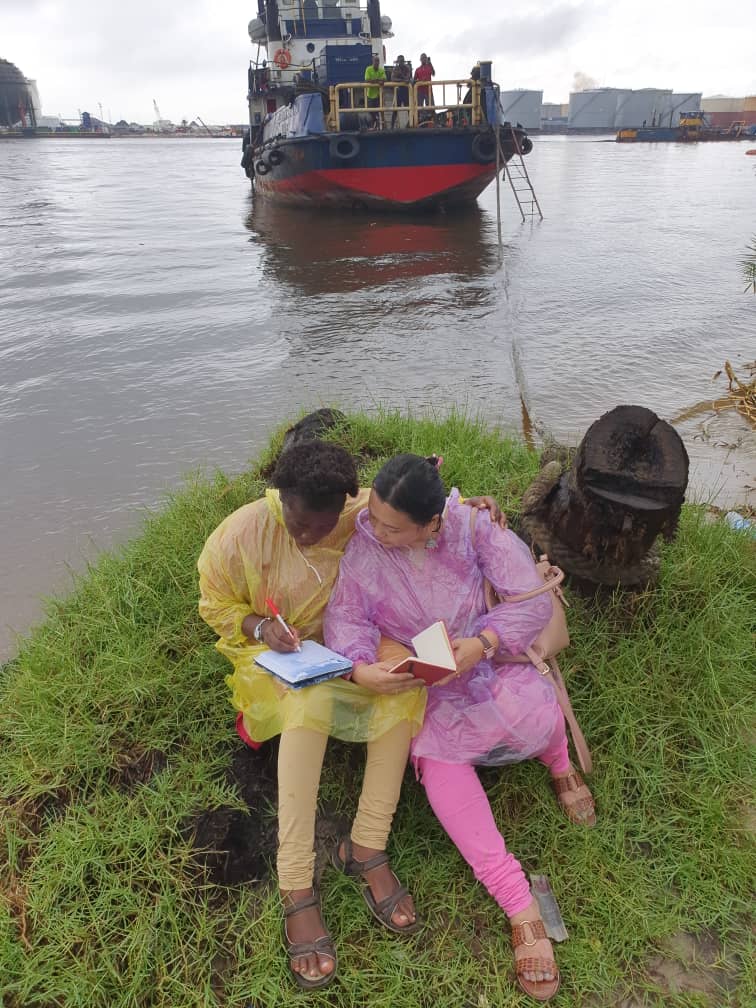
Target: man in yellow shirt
x,y
375,72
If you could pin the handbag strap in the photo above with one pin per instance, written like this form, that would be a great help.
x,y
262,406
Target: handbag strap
x,y
550,670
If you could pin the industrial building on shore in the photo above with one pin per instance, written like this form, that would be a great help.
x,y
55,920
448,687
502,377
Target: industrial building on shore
x,y
597,109
19,98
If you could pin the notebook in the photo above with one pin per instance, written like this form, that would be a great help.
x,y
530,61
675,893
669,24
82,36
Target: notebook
x,y
435,656
313,664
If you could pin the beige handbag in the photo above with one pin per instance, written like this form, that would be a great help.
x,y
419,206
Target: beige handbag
x,y
550,641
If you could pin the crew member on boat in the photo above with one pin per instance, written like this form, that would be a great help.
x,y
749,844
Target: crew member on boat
x,y
401,72
424,72
375,73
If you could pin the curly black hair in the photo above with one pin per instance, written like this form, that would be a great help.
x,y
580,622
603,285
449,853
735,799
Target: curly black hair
x,y
411,484
318,472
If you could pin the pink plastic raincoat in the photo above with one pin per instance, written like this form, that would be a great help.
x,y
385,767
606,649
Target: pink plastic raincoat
x,y
499,712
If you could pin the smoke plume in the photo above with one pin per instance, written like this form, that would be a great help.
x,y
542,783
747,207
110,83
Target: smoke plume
x,y
583,82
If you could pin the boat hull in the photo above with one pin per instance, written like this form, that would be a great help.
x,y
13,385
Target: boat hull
x,y
411,169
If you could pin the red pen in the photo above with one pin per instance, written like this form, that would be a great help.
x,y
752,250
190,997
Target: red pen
x,y
274,609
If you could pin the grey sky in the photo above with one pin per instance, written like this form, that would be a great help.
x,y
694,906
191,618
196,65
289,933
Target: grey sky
x,y
191,55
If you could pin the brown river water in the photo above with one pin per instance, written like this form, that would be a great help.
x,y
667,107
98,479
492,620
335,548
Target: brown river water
x,y
154,321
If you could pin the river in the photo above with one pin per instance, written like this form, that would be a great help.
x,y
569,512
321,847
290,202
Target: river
x,y
153,321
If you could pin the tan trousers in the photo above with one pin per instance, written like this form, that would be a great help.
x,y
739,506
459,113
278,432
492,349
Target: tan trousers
x,y
300,760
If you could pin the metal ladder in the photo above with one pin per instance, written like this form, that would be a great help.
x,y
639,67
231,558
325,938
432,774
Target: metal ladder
x,y
519,180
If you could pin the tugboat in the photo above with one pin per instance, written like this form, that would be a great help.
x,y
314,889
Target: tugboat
x,y
319,135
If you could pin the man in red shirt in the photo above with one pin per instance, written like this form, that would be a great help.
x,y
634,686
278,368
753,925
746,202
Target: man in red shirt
x,y
424,73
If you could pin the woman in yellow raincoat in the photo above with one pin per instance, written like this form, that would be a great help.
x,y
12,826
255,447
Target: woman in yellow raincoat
x,y
287,546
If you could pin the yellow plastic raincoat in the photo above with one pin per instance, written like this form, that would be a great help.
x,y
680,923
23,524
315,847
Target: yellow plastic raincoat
x,y
250,556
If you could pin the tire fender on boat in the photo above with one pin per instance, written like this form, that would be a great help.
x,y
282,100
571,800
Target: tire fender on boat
x,y
344,147
526,144
262,167
276,157
484,148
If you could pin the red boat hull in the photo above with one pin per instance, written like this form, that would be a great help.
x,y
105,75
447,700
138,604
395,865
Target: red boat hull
x,y
386,187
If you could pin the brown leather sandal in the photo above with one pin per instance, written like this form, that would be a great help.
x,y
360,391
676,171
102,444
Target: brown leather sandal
x,y
318,946
384,910
528,933
582,811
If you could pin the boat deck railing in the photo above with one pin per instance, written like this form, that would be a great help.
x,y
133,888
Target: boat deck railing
x,y
399,108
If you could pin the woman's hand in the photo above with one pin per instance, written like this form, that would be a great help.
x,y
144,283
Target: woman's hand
x,y
378,679
276,638
468,651
488,504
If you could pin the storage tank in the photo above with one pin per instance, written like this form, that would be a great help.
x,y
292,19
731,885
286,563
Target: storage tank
x,y
644,107
749,110
677,102
16,99
722,110
34,95
522,107
593,109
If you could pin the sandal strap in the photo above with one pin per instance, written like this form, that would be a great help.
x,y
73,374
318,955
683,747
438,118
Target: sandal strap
x,y
305,904
572,782
356,868
374,862
527,933
385,909
536,965
318,946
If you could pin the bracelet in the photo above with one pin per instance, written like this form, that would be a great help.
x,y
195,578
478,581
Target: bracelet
x,y
257,633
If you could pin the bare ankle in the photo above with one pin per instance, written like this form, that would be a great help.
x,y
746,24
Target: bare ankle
x,y
531,912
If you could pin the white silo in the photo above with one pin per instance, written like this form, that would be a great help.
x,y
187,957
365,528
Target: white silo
x,y
644,107
522,107
593,109
689,101
34,93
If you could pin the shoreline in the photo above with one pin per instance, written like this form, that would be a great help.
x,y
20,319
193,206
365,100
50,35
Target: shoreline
x,y
140,833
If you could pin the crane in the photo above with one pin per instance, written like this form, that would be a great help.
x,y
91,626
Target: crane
x,y
158,117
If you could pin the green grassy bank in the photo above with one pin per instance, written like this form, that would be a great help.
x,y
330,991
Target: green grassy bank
x,y
116,738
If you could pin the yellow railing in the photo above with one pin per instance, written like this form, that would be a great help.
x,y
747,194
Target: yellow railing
x,y
348,99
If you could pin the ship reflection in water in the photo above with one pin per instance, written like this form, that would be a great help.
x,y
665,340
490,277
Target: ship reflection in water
x,y
320,253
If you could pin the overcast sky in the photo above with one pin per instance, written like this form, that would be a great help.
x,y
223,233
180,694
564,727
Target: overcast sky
x,y
191,55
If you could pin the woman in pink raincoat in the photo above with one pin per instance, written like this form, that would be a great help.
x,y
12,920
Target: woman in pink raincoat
x,y
411,562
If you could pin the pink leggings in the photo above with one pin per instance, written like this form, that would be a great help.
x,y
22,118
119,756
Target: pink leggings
x,y
461,805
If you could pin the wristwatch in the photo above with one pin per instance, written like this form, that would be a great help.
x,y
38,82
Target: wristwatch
x,y
257,633
489,649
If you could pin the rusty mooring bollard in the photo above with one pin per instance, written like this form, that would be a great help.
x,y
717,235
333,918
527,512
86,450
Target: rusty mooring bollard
x,y
599,518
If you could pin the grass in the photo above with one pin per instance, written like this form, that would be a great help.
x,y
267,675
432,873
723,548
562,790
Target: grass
x,y
116,730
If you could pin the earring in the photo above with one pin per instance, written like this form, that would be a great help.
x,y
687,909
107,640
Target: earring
x,y
431,543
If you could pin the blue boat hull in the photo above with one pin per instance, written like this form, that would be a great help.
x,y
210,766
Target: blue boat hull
x,y
415,169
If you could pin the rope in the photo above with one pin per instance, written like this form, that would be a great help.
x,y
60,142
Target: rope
x,y
581,566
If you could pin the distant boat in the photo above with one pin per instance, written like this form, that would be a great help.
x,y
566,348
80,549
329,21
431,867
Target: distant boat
x,y
316,139
693,127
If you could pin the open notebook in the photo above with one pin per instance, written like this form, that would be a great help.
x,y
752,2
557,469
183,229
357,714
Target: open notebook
x,y
435,656
313,664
